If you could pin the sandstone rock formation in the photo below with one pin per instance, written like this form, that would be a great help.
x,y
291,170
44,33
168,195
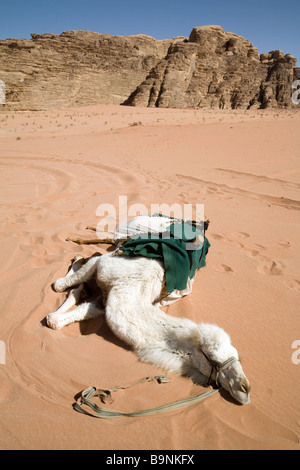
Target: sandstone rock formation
x,y
215,69
211,68
75,68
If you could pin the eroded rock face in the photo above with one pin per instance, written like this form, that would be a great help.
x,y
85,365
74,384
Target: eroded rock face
x,y
211,68
215,69
75,68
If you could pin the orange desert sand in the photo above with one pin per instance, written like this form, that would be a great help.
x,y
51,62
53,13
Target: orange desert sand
x,y
57,167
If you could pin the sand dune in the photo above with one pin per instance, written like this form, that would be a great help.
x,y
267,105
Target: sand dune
x,y
57,167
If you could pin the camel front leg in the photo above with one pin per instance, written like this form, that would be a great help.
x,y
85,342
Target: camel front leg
x,y
84,311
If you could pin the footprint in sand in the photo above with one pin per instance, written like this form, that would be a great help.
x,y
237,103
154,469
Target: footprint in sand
x,y
240,234
223,268
270,267
253,251
284,243
216,236
250,252
293,284
211,189
232,241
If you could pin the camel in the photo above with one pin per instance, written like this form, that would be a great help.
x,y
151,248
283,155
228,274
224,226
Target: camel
x,y
128,291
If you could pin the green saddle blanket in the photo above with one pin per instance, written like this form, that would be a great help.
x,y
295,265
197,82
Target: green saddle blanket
x,y
175,249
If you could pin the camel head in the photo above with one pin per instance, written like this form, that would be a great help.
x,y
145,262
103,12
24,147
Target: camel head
x,y
218,360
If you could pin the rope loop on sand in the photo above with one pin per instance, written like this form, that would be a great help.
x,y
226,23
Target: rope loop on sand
x,y
106,397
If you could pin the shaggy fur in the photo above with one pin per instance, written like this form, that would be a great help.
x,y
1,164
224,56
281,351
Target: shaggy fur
x,y
131,288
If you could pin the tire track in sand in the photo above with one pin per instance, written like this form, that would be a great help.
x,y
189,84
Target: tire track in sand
x,y
48,197
242,240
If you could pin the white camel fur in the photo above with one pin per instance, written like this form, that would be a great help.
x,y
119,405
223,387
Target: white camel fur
x,y
131,287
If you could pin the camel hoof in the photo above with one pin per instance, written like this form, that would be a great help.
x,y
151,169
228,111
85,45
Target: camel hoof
x,y
77,258
59,285
53,322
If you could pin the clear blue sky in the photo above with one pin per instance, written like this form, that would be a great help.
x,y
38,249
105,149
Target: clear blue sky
x,y
269,24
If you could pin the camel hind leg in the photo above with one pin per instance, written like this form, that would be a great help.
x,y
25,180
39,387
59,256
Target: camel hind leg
x,y
84,311
73,299
76,293
83,274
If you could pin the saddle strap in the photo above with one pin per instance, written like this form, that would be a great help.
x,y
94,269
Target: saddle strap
x,y
105,397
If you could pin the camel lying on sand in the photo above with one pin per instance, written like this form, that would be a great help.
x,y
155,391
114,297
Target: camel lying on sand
x,y
130,289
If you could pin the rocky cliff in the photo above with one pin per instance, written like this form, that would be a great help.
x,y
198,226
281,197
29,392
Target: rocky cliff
x,y
216,69
75,68
211,68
